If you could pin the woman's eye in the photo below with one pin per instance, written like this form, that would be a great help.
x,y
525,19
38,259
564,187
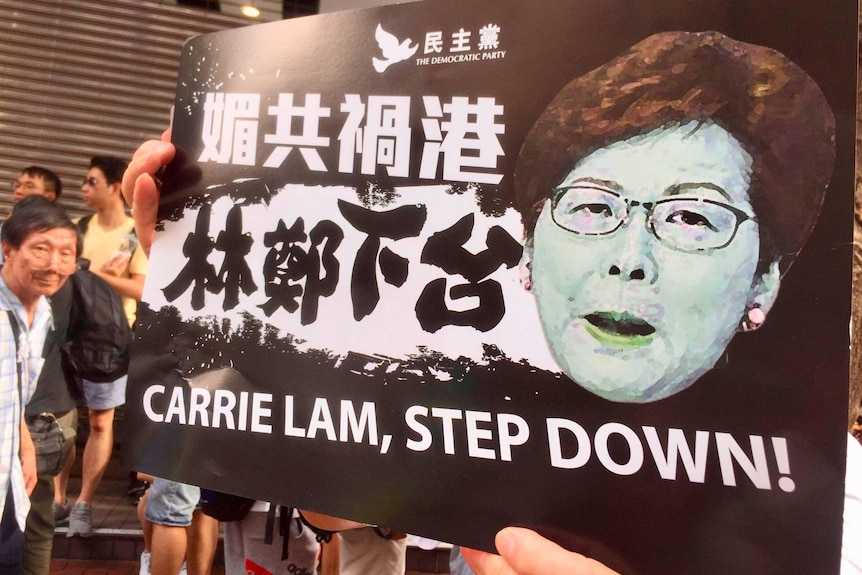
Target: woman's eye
x,y
594,209
689,218
589,211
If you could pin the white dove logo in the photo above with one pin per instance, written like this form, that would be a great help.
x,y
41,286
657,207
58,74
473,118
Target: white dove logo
x,y
393,50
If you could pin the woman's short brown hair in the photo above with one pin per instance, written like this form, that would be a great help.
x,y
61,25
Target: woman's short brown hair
x,y
768,103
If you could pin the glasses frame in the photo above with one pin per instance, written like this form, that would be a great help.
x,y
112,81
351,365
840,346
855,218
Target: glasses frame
x,y
649,209
70,267
26,185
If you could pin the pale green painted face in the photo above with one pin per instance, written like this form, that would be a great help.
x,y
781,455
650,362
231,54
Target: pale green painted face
x,y
628,316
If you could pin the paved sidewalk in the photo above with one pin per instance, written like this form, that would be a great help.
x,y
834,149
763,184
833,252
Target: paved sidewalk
x,y
73,567
116,531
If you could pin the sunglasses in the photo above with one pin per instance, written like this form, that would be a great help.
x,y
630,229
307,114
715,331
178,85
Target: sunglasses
x,y
91,181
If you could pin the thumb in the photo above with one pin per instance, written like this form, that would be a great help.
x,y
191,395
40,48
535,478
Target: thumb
x,y
528,553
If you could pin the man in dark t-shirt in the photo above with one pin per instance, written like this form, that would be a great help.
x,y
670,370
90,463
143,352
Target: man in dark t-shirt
x,y
56,396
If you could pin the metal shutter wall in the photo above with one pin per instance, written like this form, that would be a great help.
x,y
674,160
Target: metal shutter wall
x,y
80,78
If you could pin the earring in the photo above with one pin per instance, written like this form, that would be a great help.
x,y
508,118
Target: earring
x,y
753,319
525,275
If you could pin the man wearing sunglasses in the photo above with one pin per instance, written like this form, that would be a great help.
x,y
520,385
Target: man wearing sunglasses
x,y
111,247
40,247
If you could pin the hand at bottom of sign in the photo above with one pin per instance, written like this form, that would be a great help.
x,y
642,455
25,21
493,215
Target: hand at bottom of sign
x,y
525,552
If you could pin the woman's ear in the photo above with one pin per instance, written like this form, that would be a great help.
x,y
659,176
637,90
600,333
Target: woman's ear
x,y
763,295
525,266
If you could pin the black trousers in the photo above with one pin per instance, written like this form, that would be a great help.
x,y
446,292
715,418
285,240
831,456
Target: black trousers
x,y
11,537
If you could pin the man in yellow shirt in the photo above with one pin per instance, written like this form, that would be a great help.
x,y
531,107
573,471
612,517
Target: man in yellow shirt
x,y
111,246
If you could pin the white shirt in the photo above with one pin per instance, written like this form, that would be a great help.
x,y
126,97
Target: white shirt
x,y
851,543
13,397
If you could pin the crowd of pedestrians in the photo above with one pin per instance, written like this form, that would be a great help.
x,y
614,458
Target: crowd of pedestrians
x,y
105,243
46,247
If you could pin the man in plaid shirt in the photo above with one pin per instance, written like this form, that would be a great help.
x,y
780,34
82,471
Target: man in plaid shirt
x,y
40,246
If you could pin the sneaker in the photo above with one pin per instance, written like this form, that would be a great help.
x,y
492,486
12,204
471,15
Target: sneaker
x,y
80,520
61,513
145,563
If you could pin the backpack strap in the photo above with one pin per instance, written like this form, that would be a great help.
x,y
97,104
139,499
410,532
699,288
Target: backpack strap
x,y
19,363
270,524
16,334
284,516
286,513
84,223
16,329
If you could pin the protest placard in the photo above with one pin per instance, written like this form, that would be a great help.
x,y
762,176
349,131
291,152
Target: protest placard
x,y
455,265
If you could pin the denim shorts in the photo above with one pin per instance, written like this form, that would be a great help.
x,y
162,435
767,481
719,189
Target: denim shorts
x,y
171,503
101,396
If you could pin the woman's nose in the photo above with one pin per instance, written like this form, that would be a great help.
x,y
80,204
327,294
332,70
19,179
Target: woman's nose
x,y
634,260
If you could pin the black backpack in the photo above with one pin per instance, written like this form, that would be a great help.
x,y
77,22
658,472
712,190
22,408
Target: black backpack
x,y
99,339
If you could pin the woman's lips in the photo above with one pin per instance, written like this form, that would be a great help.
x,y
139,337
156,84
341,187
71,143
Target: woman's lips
x,y
619,329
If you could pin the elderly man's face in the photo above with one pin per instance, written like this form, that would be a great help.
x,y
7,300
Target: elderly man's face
x,y
41,264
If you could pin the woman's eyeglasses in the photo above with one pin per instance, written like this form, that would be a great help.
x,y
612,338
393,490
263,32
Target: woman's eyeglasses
x,y
684,224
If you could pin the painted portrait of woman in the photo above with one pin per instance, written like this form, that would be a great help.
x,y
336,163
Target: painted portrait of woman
x,y
664,196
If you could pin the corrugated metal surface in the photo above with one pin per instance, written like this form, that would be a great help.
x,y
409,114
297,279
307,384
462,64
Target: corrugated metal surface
x,y
83,77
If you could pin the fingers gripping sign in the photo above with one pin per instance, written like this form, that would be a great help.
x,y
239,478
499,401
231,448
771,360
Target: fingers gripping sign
x,y
140,188
525,552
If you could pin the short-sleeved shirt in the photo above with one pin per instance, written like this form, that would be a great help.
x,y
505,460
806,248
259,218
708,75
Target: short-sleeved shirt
x,y
15,392
99,247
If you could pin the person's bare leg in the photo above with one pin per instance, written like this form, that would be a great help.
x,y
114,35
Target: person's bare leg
x,y
97,452
169,549
61,480
147,529
146,524
329,556
203,540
